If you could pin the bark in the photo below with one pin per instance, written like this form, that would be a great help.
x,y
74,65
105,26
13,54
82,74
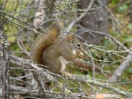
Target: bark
x,y
4,67
96,21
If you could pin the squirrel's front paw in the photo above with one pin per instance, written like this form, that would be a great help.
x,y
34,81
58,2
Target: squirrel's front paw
x,y
66,74
81,55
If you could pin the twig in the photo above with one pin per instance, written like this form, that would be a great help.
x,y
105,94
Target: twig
x,y
80,79
80,17
121,68
107,86
24,62
108,35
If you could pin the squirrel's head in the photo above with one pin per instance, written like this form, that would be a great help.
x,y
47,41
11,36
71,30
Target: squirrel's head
x,y
75,45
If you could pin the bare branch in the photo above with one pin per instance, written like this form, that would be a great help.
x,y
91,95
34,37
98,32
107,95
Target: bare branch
x,y
80,17
121,69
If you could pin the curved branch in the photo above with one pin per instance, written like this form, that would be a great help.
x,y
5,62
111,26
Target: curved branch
x,y
79,18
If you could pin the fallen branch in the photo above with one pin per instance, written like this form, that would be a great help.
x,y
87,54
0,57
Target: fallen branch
x,y
78,78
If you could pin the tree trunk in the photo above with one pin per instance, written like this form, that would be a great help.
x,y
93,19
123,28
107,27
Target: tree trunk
x,y
95,21
4,66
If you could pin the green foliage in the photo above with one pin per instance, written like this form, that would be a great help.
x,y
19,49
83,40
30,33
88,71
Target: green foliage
x,y
129,26
129,70
114,1
122,8
127,38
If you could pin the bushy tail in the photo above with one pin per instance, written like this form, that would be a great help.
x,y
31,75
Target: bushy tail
x,y
45,40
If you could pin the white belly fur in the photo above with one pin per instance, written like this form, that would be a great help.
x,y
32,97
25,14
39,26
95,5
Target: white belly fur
x,y
63,63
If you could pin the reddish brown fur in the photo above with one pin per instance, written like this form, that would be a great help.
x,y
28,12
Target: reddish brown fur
x,y
43,41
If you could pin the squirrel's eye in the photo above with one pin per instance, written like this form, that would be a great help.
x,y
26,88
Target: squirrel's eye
x,y
78,44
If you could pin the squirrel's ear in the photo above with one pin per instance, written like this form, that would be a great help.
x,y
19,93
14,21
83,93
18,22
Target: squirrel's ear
x,y
70,37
